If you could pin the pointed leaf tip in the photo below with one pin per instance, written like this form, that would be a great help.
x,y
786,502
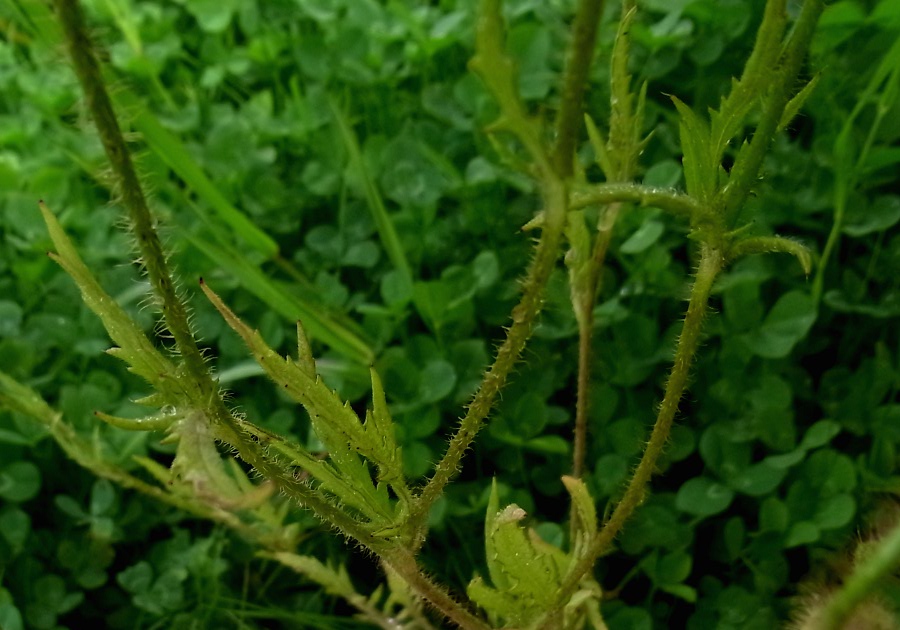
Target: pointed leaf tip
x,y
792,109
585,507
305,357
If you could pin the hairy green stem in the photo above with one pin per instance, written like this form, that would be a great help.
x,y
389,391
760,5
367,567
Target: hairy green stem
x,y
601,194
142,223
404,564
745,173
174,312
302,493
524,317
625,145
864,581
762,60
401,560
578,65
497,71
711,263
579,441
585,336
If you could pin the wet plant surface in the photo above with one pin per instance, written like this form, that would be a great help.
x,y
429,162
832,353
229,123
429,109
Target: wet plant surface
x,y
344,164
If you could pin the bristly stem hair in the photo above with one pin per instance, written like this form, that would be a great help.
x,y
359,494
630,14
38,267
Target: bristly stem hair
x,y
128,185
554,168
711,207
711,263
625,146
578,66
717,249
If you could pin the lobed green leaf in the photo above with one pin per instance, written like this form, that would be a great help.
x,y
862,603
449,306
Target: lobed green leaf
x,y
334,422
134,347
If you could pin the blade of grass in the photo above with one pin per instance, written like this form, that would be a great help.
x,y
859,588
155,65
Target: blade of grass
x,y
386,232
304,290
126,21
881,91
322,325
36,19
317,323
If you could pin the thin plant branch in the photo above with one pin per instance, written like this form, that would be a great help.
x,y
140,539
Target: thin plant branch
x,y
673,202
524,318
142,222
619,163
711,263
404,564
578,65
745,173
585,335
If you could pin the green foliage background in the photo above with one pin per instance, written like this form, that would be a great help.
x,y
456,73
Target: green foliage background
x,y
311,119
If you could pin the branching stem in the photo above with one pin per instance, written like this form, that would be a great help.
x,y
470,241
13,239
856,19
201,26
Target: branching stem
x,y
746,170
554,166
676,203
586,334
524,318
622,153
711,263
